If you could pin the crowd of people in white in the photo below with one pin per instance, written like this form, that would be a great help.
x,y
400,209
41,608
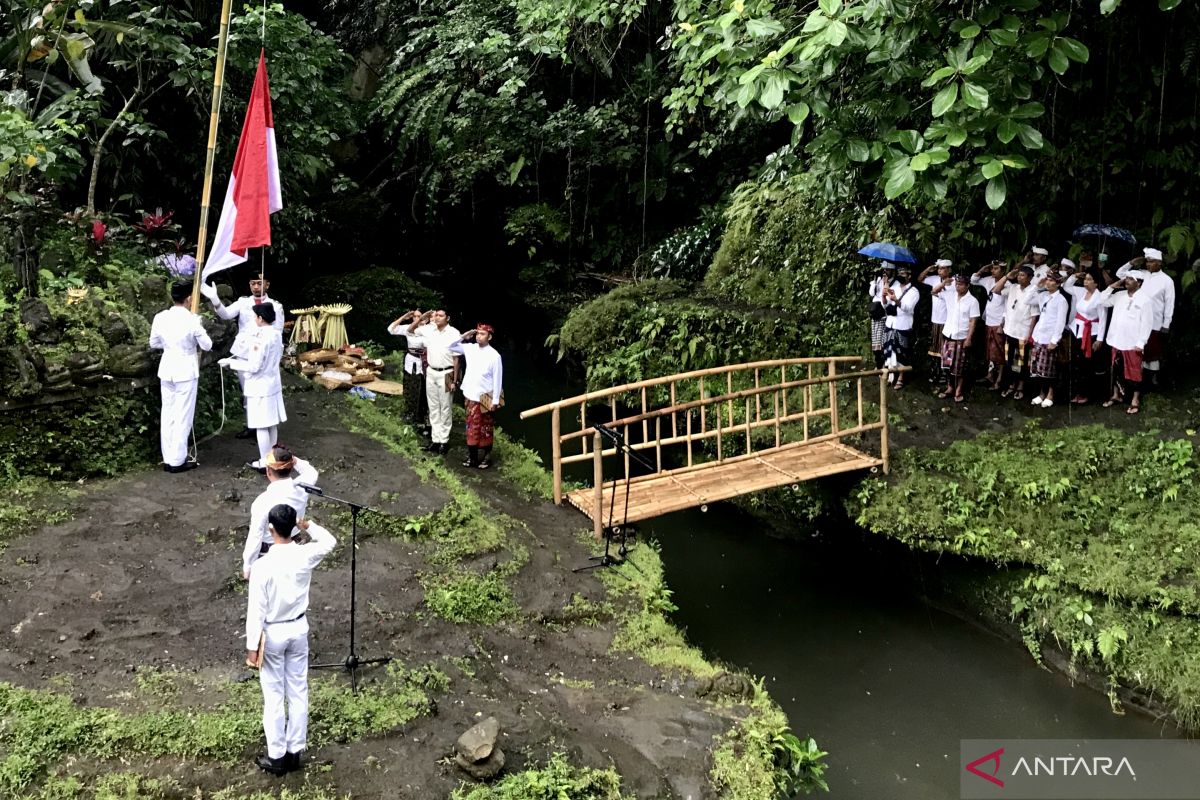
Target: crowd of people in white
x,y
1049,331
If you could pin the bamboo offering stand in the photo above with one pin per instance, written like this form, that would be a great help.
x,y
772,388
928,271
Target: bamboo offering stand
x,y
717,433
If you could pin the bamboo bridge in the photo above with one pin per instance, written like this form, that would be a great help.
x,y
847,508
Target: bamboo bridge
x,y
713,434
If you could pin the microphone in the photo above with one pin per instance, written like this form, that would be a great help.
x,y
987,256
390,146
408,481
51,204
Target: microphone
x,y
610,433
317,490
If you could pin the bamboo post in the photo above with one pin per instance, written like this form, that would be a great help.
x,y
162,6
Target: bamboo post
x,y
757,399
556,454
833,408
598,490
748,422
860,402
645,423
783,379
674,422
720,452
778,439
657,444
583,440
214,117
703,409
883,431
728,403
688,429
807,408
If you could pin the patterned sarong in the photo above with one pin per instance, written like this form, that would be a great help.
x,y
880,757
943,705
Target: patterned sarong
x,y
877,334
1016,353
896,345
1131,363
1043,363
479,425
1154,349
995,344
954,356
936,337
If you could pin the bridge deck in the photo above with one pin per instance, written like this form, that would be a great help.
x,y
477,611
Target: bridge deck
x,y
664,493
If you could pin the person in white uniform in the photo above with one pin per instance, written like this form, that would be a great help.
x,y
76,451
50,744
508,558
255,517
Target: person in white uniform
x,y
436,335
276,604
1087,335
180,335
262,386
1050,320
962,318
483,388
993,320
1159,288
1128,333
285,474
414,366
877,314
242,310
938,285
899,304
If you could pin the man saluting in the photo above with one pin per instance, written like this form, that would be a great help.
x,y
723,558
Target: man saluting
x,y
275,609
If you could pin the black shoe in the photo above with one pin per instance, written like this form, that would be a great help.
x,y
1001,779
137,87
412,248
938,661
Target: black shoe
x,y
292,761
256,468
443,448
184,467
246,433
275,766
430,447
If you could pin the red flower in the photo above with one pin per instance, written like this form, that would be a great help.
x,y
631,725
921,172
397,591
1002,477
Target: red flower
x,y
151,224
98,231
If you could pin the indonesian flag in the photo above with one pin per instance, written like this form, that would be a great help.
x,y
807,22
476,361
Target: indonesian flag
x,y
254,193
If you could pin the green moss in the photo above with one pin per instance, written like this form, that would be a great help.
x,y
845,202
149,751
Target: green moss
x,y
522,468
468,597
29,503
558,780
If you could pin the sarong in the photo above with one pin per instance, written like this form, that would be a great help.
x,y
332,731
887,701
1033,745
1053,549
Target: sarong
x,y
995,344
479,425
935,341
1131,364
1043,363
1154,349
877,334
896,346
1016,353
954,357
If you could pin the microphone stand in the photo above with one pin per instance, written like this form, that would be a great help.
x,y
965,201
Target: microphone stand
x,y
352,662
607,560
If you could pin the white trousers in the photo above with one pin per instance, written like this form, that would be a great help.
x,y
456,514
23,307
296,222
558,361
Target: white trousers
x,y
441,405
284,679
175,424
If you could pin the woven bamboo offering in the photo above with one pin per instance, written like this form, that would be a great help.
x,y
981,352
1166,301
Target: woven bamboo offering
x,y
307,329
333,325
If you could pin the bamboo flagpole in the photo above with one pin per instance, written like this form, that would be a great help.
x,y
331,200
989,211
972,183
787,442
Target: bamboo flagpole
x,y
213,121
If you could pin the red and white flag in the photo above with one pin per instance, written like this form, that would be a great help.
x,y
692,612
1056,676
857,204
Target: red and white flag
x,y
254,193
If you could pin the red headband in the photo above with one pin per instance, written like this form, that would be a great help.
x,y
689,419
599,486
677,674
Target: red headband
x,y
483,327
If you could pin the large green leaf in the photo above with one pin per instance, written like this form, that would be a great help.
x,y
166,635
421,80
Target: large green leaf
x,y
772,93
991,169
995,192
836,33
970,31
1031,137
1058,60
944,100
765,26
974,95
857,150
797,112
1003,37
938,75
900,179
1074,49
1007,130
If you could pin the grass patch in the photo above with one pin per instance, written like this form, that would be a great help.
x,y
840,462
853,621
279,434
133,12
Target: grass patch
x,y
523,468
558,780
30,503
467,597
39,728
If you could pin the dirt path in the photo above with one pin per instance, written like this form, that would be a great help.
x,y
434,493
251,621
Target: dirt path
x,y
147,576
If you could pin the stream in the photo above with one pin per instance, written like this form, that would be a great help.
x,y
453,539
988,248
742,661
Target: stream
x,y
837,628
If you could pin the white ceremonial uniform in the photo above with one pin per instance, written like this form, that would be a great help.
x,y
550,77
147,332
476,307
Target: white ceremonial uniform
x,y
178,333
1160,288
993,312
1132,319
439,363
938,308
959,313
412,356
263,389
907,297
1052,316
1087,309
242,310
484,373
285,491
1017,313
276,604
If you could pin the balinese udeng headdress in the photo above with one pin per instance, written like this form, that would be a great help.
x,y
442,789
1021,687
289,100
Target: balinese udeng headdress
x,y
485,328
280,459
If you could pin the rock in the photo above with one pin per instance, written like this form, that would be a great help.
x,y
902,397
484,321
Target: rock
x,y
57,378
222,333
479,741
129,361
18,372
85,368
483,770
726,684
114,330
153,296
232,496
39,322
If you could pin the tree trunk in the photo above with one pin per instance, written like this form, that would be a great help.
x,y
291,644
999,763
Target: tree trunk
x,y
25,253
99,151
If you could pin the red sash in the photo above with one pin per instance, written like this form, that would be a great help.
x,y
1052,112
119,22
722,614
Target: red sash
x,y
1087,334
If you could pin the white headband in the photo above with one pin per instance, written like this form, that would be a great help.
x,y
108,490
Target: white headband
x,y
1041,251
1152,254
945,262
1066,262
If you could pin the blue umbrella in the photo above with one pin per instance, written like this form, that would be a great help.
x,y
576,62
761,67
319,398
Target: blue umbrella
x,y
1109,231
888,252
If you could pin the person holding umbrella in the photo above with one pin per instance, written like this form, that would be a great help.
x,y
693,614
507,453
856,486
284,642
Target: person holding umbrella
x,y
876,292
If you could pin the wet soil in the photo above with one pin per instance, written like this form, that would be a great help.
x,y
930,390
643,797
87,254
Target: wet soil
x,y
147,575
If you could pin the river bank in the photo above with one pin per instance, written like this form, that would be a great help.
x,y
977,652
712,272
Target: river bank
x,y
121,636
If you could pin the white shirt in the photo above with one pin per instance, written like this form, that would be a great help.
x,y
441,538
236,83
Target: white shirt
x,y
993,312
279,582
1017,313
1091,308
178,332
437,344
906,303
1132,318
286,492
959,313
875,290
1052,311
938,309
261,364
242,310
1159,287
485,372
412,359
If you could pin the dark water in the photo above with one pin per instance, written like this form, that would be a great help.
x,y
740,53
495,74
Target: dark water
x,y
885,683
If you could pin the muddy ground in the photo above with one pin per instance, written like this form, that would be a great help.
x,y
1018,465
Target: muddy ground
x,y
147,575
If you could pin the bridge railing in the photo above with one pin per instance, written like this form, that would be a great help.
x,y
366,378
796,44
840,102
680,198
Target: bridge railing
x,y
810,396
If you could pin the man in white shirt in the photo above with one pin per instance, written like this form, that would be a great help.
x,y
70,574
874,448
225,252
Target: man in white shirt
x,y
938,284
1050,318
993,319
483,388
1159,288
1037,259
179,334
261,385
881,281
1018,326
435,335
414,367
962,317
276,604
242,310
1127,335
899,303
285,474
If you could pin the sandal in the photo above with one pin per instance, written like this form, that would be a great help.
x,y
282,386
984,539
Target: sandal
x,y
484,465
958,398
899,385
1109,403
943,395
1133,409
1019,395
1007,392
